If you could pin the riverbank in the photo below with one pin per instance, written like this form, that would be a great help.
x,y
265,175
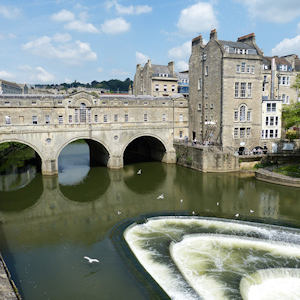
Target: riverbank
x,y
8,290
268,175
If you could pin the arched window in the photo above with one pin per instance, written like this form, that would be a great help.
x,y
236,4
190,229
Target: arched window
x,y
82,113
243,113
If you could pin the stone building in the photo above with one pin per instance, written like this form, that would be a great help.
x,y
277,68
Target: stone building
x,y
155,80
183,83
7,87
225,91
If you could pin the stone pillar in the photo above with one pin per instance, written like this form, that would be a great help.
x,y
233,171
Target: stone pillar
x,y
49,167
115,162
169,157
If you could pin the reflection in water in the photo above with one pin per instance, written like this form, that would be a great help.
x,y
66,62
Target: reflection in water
x,y
22,198
213,256
44,236
150,179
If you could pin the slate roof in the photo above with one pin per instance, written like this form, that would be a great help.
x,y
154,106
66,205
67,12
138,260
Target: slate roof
x,y
160,69
238,45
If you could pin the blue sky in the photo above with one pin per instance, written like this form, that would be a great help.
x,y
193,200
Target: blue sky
x,y
44,41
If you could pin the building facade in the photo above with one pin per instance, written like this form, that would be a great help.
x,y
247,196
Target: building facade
x,y
225,91
155,80
7,87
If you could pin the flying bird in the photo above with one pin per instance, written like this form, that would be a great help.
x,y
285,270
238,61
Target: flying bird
x,y
91,260
160,196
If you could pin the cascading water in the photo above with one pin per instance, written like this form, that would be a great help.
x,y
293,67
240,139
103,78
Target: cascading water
x,y
198,258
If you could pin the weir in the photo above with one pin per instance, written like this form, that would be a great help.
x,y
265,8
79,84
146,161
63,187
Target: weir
x,y
218,259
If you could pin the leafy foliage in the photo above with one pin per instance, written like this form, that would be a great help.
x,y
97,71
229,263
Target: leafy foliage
x,y
291,115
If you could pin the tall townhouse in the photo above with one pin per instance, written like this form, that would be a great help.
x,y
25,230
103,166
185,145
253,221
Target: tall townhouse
x,y
226,91
155,80
279,74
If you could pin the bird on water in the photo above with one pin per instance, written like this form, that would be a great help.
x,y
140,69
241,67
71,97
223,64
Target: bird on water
x,y
91,260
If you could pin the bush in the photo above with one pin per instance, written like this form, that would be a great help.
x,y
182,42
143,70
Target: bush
x,y
189,160
292,134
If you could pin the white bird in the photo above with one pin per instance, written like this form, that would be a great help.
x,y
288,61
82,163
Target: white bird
x,y
119,212
91,260
139,172
160,196
237,215
193,212
217,203
251,210
181,200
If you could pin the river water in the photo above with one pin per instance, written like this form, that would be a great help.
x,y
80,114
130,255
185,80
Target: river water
x,y
48,225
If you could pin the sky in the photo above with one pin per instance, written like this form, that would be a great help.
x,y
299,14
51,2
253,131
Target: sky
x,y
52,42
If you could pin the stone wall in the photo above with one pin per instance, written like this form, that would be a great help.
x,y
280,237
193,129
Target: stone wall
x,y
206,159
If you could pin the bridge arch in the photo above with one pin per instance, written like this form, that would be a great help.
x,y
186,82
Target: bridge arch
x,y
143,147
38,151
99,151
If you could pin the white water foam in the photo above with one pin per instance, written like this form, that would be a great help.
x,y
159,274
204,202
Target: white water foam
x,y
272,284
203,263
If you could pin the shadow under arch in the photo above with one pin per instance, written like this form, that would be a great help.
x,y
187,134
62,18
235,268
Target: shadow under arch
x,y
144,148
23,198
90,188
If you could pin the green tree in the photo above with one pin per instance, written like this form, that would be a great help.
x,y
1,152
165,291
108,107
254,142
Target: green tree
x,y
291,115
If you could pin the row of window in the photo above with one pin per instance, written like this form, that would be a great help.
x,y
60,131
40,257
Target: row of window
x,y
243,68
272,121
243,90
243,114
269,133
242,132
206,106
165,88
83,118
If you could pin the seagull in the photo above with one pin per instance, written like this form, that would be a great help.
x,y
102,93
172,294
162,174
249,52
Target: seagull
x,y
161,196
237,215
91,260
139,172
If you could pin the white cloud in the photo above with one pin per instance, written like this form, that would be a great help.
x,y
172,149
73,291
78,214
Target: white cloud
x,y
287,46
197,18
276,11
129,10
181,52
118,72
54,48
115,26
38,74
6,75
62,37
63,16
73,24
182,66
81,26
10,12
141,58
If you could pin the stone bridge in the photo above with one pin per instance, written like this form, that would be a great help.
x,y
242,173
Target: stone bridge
x,y
116,127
